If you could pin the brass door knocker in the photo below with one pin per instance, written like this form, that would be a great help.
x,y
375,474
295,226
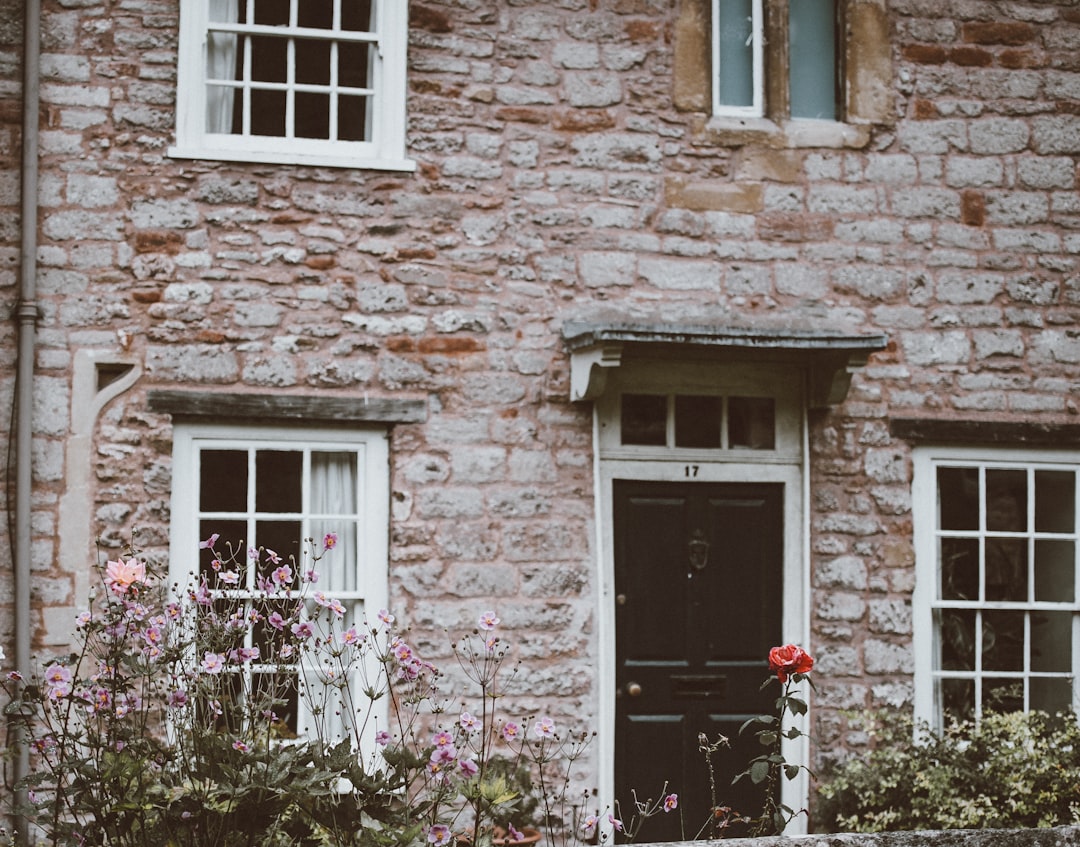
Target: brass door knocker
x,y
698,549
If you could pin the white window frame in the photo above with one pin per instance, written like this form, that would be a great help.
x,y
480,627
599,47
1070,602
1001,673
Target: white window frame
x,y
757,108
925,600
385,151
372,509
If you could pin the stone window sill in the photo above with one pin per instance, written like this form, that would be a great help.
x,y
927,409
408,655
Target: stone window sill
x,y
738,132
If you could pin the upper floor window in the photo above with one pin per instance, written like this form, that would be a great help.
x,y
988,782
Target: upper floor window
x,y
295,81
997,561
775,58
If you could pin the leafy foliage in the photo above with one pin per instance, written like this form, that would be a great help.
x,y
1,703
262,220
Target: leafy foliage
x,y
1011,770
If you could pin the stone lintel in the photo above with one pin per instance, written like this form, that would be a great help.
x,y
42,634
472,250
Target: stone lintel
x,y
286,407
1017,433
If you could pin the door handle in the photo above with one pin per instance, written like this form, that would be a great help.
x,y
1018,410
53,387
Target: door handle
x,y
633,689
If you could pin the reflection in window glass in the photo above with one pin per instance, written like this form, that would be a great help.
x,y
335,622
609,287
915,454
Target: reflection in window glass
x,y
697,421
959,562
1055,570
958,498
812,58
752,423
1055,501
1006,500
735,74
644,419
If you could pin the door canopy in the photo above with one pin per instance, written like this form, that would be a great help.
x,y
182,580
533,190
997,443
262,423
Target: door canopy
x,y
830,356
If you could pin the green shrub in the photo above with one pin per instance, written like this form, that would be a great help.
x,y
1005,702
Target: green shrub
x,y
1011,771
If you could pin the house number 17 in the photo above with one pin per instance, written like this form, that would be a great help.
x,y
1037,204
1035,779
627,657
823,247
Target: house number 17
x,y
691,470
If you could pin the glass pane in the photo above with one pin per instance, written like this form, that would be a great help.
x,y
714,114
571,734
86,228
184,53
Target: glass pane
x,y
1007,569
317,14
1051,641
356,16
312,62
735,76
956,698
1002,695
959,569
230,545
268,113
1006,501
282,537
958,498
272,12
269,58
1051,695
354,65
644,419
312,115
752,422
812,40
957,640
223,480
277,480
1003,641
1055,501
352,119
1055,571
697,421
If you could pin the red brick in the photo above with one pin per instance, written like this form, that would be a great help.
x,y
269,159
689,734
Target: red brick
x,y
584,120
450,344
642,30
998,32
925,54
973,208
971,57
522,114
925,109
158,241
424,17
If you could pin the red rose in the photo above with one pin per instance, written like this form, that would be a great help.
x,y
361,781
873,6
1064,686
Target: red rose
x,y
789,660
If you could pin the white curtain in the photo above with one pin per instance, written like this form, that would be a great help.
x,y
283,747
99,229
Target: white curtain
x,y
221,64
333,493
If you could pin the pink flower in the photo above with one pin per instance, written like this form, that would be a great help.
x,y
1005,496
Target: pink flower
x,y
386,618
588,826
468,722
311,575
331,604
514,834
276,621
229,577
511,731
302,630
58,679
286,651
468,767
438,835
351,636
488,621
443,739
329,541
441,758
616,824
209,543
274,558
240,745
671,802
282,575
124,576
382,737
213,662
544,728
178,698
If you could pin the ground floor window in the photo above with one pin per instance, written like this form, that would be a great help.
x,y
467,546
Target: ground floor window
x,y
997,618
270,489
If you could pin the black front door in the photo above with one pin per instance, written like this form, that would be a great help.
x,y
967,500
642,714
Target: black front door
x,y
698,594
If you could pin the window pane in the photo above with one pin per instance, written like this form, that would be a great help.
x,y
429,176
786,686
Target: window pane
x,y
1007,569
231,540
317,14
1051,641
267,113
283,537
812,57
958,498
1003,695
1055,501
956,698
697,421
752,422
735,76
312,115
356,16
272,12
957,640
1051,695
959,569
223,481
1006,501
1003,641
354,65
1055,571
644,419
352,119
269,58
312,62
277,480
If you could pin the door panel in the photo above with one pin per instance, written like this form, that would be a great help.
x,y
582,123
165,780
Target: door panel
x,y
698,585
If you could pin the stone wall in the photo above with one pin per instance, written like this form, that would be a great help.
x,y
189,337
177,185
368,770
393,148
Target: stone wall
x,y
557,170
1062,836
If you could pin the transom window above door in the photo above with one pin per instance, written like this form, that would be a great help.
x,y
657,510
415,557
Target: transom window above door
x,y
698,421
305,81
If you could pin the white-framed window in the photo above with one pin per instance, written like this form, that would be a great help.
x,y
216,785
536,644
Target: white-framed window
x,y
997,617
272,487
802,58
318,82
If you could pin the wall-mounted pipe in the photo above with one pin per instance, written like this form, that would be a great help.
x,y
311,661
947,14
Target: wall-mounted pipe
x,y
27,315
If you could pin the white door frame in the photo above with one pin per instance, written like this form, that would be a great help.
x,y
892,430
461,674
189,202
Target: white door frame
x,y
675,465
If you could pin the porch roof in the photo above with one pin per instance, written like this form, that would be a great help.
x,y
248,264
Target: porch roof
x,y
829,354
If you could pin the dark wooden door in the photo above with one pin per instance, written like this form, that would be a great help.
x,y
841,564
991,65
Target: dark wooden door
x,y
698,594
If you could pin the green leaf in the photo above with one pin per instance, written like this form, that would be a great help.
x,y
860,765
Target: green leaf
x,y
767,738
797,706
791,771
759,772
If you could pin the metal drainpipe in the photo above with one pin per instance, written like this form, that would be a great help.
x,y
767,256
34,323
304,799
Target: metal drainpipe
x,y
24,400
